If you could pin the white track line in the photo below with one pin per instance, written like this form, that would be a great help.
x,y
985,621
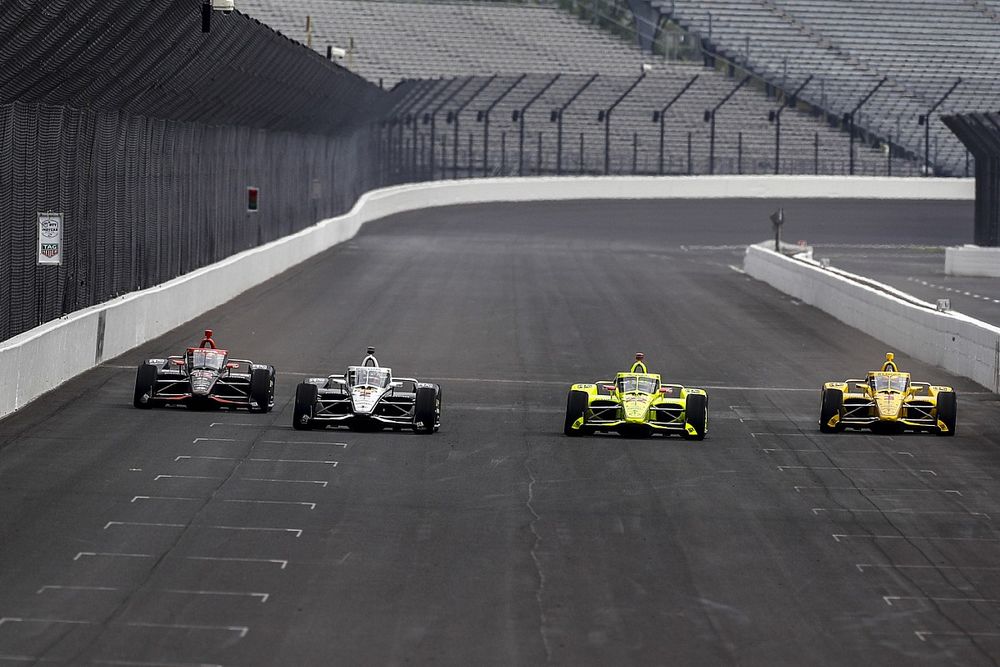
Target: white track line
x,y
303,442
839,537
242,630
922,635
889,599
234,458
282,563
863,489
311,506
978,515
912,472
296,531
53,587
863,566
109,554
135,498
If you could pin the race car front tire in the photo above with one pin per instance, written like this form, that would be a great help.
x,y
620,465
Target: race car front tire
x,y
305,402
833,401
425,410
260,389
576,407
696,415
145,380
947,412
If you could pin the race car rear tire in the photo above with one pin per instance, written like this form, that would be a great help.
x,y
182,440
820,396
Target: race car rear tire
x,y
305,402
696,415
425,410
437,414
260,389
832,403
947,411
145,379
576,407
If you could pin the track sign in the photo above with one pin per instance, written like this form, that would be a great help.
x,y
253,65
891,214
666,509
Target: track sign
x,y
50,230
253,199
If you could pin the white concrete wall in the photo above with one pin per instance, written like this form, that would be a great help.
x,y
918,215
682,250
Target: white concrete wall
x,y
961,344
972,260
43,358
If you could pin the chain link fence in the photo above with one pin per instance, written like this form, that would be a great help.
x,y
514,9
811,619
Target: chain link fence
x,y
146,133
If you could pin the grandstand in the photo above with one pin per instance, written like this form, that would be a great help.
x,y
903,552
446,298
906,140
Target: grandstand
x,y
398,41
922,48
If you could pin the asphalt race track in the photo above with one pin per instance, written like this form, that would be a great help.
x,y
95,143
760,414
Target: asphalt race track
x,y
176,537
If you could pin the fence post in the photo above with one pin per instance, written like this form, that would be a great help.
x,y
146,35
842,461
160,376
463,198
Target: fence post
x,y
444,151
635,152
888,145
503,153
469,166
816,153
739,153
689,154
581,154
538,169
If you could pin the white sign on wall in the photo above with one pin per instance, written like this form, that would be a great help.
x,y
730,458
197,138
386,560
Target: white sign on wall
x,y
50,247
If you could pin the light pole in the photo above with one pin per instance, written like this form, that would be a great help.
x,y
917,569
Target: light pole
x,y
775,117
710,117
661,115
519,117
485,117
849,117
926,122
557,115
605,115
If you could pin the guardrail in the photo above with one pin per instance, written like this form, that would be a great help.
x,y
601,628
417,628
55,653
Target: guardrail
x,y
960,344
39,360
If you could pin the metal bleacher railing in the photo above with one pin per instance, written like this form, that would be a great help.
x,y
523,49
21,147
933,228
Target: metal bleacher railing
x,y
672,121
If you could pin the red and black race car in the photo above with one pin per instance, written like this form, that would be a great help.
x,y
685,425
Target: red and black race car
x,y
205,377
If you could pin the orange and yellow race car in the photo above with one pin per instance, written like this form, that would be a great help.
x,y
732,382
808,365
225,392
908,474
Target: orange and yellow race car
x,y
888,401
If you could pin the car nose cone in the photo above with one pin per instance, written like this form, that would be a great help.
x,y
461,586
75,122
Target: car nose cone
x,y
889,405
364,400
635,408
201,383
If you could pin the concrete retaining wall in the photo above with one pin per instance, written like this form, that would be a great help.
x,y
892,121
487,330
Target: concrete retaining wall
x,y
41,359
972,260
958,343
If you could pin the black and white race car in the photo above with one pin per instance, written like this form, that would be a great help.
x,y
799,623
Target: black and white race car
x,y
367,397
205,377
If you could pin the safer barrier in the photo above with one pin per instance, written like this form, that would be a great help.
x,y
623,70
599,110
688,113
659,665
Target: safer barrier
x,y
40,359
958,343
972,260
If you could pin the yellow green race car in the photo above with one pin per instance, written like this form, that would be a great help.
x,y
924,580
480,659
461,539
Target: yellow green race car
x,y
888,401
636,403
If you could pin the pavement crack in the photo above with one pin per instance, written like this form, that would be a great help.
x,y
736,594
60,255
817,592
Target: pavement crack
x,y
540,589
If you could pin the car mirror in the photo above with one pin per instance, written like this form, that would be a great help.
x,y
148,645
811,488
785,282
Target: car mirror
x,y
178,362
395,385
232,364
663,390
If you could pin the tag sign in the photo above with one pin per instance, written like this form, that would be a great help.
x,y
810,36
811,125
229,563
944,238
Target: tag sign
x,y
50,228
253,199
778,217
